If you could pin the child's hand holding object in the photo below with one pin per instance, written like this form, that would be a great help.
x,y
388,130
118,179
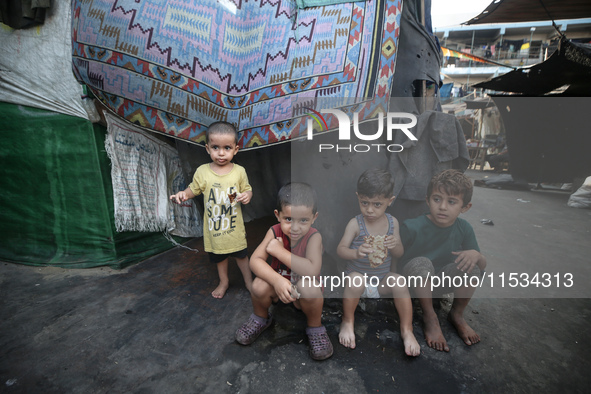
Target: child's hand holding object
x,y
179,198
390,242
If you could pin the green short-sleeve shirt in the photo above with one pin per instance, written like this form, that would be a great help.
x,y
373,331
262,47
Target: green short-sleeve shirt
x,y
422,238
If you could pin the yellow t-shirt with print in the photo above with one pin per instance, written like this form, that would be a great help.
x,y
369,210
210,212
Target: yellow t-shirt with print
x,y
223,225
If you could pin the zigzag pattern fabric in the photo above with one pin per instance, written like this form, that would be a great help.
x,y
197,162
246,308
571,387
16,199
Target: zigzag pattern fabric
x,y
176,66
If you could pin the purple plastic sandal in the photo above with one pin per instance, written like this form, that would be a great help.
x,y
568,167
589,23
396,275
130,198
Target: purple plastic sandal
x,y
320,345
251,330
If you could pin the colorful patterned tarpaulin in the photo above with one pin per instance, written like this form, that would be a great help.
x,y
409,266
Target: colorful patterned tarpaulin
x,y
175,66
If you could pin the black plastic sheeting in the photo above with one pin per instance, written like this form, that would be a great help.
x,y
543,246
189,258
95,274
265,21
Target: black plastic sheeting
x,y
548,137
508,11
56,205
22,14
569,65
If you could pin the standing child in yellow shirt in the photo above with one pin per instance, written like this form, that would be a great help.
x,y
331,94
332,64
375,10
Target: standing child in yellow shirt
x,y
224,185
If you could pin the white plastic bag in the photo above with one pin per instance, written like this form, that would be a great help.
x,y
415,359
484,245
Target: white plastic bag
x,y
582,197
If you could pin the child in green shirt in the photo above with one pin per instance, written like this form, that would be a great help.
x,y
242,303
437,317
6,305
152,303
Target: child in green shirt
x,y
440,244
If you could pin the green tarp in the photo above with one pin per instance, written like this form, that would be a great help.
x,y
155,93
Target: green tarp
x,y
56,203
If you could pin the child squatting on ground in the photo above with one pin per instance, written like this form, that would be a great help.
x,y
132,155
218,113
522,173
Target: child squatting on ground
x,y
370,241
444,245
296,249
223,185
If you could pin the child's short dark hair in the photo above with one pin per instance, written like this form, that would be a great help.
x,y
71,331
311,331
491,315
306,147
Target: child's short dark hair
x,y
375,182
297,193
221,128
452,182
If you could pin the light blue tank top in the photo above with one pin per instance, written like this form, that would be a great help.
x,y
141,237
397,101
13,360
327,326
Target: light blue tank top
x,y
362,265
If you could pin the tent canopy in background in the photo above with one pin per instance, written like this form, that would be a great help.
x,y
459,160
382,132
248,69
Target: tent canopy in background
x,y
569,67
507,11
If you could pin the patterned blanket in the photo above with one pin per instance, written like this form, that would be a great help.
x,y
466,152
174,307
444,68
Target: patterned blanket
x,y
176,66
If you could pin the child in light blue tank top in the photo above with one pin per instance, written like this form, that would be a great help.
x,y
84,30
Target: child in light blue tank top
x,y
363,265
369,243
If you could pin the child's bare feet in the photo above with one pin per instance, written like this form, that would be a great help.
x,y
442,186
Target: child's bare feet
x,y
411,346
433,334
347,334
465,332
220,291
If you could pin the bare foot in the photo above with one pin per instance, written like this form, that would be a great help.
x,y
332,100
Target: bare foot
x,y
433,334
411,346
465,332
347,335
220,291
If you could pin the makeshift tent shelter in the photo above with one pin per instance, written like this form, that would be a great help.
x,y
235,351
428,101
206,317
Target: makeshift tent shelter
x,y
57,195
173,67
544,107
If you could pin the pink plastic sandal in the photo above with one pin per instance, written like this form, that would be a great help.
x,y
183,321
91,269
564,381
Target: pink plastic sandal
x,y
251,330
320,345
